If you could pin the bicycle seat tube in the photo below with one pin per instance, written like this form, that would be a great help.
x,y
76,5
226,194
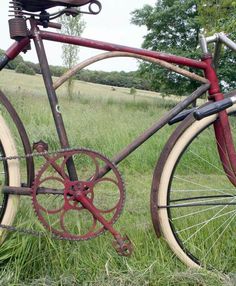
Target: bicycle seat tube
x,y
52,97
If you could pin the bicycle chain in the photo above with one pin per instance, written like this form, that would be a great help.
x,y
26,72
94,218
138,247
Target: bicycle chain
x,y
34,233
38,154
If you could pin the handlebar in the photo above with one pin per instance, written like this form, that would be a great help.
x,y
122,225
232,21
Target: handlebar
x,y
222,38
218,39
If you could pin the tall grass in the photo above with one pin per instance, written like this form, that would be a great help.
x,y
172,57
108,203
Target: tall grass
x,y
106,121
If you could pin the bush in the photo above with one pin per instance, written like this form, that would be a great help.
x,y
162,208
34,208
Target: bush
x,y
133,91
25,69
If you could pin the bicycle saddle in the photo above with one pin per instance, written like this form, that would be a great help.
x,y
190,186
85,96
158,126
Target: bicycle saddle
x,y
40,5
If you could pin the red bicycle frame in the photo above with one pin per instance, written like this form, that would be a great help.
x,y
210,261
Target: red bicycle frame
x,y
222,127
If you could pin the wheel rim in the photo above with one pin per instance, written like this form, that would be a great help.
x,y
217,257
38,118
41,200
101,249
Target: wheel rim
x,y
204,232
4,180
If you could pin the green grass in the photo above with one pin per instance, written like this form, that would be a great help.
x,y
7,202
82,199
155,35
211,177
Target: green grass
x,y
106,121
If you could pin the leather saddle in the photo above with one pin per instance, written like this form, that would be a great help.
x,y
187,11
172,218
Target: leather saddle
x,y
40,5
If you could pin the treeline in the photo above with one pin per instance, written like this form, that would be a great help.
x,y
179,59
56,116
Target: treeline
x,y
121,79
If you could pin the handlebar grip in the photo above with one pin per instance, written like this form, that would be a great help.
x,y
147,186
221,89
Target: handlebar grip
x,y
212,108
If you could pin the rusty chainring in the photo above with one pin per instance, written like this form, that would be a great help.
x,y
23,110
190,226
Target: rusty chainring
x,y
81,208
71,214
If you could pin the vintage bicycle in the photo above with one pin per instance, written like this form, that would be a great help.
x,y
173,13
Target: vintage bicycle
x,y
193,194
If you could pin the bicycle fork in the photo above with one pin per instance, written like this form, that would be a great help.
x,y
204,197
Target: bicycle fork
x,y
225,145
223,133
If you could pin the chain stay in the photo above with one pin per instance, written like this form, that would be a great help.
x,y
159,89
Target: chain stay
x,y
11,228
34,233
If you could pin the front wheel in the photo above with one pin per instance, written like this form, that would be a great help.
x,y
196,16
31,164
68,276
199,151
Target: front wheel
x,y
193,203
9,175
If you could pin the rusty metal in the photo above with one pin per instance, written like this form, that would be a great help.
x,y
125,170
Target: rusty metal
x,y
26,191
52,97
17,28
16,48
78,195
155,127
108,55
82,196
52,25
222,128
23,136
161,123
40,146
159,169
162,159
15,9
225,146
105,46
123,245
17,25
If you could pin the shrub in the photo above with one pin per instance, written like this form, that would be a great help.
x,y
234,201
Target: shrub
x,y
25,69
133,91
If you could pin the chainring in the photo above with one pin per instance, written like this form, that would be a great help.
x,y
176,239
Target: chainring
x,y
60,210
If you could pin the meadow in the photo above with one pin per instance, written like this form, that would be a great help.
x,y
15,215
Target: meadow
x,y
106,120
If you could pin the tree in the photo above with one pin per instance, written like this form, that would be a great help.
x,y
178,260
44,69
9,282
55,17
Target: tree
x,y
25,69
72,26
217,15
173,28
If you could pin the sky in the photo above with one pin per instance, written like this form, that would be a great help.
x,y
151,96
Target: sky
x,y
111,25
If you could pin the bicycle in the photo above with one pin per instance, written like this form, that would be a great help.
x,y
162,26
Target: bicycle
x,y
196,220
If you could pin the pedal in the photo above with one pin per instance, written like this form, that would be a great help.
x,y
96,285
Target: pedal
x,y
123,246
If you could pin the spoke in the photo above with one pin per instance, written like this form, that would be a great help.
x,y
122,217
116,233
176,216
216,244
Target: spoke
x,y
194,213
211,219
222,232
223,223
204,187
203,222
210,164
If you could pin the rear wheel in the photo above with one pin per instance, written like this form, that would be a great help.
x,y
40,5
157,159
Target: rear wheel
x,y
193,203
9,175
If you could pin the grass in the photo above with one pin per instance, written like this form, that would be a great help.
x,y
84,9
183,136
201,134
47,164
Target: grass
x,y
106,121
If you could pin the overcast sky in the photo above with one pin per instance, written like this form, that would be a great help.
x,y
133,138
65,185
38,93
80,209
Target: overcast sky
x,y
111,25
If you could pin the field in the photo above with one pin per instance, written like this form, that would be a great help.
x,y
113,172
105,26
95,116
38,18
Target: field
x,y
105,120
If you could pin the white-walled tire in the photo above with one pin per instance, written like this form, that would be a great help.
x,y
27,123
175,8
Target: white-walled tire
x,y
9,175
193,203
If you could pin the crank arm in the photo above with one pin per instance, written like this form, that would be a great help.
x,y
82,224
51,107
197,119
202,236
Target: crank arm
x,y
123,245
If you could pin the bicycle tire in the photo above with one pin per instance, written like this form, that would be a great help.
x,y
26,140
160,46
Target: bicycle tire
x,y
192,231
10,175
